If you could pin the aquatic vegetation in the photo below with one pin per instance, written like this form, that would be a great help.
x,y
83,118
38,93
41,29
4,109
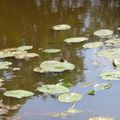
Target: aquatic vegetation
x,y
113,42
5,65
118,28
18,53
114,75
61,27
51,50
53,89
92,92
116,63
101,118
70,97
110,53
54,66
93,45
18,93
76,39
103,33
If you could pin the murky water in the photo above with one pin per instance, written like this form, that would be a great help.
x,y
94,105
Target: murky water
x,y
29,22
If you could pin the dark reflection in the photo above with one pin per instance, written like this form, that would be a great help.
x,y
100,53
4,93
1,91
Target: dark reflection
x,y
29,22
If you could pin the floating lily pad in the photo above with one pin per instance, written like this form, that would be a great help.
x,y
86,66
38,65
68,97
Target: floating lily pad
x,y
110,53
93,45
18,93
113,42
54,66
61,27
53,89
103,33
1,80
23,48
102,86
5,65
51,50
75,39
118,28
91,92
101,118
116,63
114,75
70,97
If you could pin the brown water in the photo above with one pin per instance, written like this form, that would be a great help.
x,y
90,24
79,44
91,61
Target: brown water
x,y
29,22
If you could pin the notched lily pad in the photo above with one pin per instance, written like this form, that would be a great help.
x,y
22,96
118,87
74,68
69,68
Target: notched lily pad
x,y
101,118
5,65
54,66
93,45
51,50
102,86
110,53
103,33
70,97
113,42
18,93
53,89
114,75
75,39
61,27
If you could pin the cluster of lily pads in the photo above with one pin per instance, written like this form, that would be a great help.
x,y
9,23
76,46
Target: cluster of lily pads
x,y
64,94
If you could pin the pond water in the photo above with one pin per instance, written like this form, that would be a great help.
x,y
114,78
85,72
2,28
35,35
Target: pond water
x,y
29,22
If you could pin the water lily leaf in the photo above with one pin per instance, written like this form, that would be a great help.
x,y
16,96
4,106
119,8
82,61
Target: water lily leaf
x,y
114,75
51,50
18,93
103,33
53,89
101,118
70,97
116,63
93,45
75,39
91,92
110,53
1,80
61,27
113,42
118,28
102,86
54,66
23,48
5,65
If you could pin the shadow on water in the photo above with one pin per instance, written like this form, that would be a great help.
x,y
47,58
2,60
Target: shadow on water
x,y
29,22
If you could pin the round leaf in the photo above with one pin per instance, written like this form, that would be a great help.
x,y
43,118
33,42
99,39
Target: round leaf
x,y
101,118
53,89
115,75
103,33
93,45
23,48
61,27
75,39
70,97
5,65
18,93
51,50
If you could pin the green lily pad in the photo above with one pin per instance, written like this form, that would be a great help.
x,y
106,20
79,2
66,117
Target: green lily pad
x,y
118,28
101,118
114,75
51,50
110,53
75,39
61,27
70,97
113,42
102,86
23,48
5,65
93,45
91,92
53,89
54,66
18,93
103,33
